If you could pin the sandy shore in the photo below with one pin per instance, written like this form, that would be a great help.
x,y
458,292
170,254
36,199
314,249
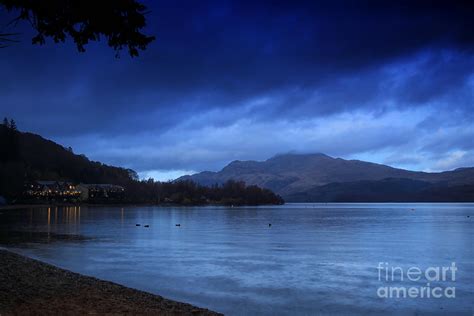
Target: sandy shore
x,y
30,287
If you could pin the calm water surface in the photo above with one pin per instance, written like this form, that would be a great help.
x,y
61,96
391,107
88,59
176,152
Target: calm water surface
x,y
315,258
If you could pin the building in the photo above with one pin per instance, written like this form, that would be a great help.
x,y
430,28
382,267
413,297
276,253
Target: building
x,y
68,191
58,190
100,191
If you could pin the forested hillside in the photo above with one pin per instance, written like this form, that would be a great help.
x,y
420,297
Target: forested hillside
x,y
28,157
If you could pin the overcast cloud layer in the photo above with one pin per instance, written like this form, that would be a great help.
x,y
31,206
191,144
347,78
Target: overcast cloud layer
x,y
392,84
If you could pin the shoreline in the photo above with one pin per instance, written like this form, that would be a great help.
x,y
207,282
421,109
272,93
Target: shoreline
x,y
29,286
20,206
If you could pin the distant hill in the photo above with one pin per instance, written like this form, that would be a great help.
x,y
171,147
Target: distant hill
x,y
386,190
26,157
321,178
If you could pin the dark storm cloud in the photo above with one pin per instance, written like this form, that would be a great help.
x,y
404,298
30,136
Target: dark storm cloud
x,y
231,68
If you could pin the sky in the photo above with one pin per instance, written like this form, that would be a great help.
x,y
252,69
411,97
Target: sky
x,y
381,81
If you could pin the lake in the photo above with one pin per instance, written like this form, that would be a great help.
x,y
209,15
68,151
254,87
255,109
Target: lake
x,y
314,258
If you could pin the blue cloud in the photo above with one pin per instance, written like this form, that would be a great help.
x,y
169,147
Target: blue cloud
x,y
232,80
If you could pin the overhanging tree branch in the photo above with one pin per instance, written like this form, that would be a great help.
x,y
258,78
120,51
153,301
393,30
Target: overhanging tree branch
x,y
119,21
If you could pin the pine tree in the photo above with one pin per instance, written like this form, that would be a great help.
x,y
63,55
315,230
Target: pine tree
x,y
5,122
13,125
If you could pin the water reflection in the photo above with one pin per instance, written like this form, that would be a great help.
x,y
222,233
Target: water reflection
x,y
44,225
50,220
314,258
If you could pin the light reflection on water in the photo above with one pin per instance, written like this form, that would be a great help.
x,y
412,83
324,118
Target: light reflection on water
x,y
314,258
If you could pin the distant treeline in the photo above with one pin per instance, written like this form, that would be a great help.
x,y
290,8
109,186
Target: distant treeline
x,y
28,157
190,193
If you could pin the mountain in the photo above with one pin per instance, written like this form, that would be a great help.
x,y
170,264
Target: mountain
x,y
26,157
321,178
386,190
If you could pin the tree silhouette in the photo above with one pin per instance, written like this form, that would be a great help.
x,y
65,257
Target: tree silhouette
x,y
119,21
13,125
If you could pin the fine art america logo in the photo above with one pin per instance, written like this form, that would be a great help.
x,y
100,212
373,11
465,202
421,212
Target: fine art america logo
x,y
433,280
